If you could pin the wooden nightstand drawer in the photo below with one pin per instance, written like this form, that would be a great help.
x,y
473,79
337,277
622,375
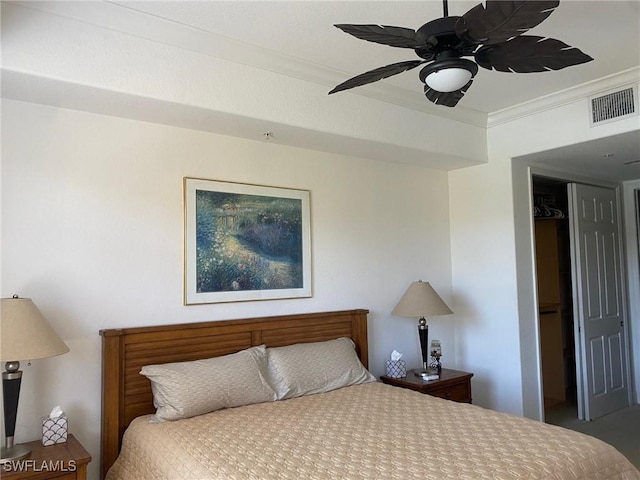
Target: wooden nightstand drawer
x,y
458,393
452,385
68,476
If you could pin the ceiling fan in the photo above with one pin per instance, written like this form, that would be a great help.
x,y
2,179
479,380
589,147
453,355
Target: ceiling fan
x,y
492,34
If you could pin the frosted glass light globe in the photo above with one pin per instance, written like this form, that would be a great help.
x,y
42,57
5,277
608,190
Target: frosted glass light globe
x,y
448,79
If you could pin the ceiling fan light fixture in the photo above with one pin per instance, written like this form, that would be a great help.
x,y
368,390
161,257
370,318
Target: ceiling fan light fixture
x,y
448,75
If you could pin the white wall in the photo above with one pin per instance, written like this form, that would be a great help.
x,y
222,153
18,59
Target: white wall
x,y
483,273
92,232
492,255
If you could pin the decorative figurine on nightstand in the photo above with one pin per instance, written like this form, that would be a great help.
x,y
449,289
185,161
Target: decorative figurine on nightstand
x,y
436,353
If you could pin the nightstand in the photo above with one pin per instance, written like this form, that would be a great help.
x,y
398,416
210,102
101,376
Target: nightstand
x,y
452,384
63,461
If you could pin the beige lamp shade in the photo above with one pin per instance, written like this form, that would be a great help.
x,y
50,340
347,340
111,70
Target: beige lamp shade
x,y
25,334
421,300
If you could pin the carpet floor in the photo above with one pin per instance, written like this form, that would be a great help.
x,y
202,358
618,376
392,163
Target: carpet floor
x,y
620,429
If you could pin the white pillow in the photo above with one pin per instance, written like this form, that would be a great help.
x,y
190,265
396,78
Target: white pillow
x,y
186,389
308,368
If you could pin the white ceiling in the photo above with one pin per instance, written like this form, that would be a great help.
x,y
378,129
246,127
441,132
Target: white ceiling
x,y
615,158
300,36
304,31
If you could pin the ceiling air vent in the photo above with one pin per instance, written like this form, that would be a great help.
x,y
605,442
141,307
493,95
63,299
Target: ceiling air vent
x,y
614,106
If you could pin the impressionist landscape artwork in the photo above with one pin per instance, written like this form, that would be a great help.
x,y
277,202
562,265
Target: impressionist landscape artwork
x,y
245,242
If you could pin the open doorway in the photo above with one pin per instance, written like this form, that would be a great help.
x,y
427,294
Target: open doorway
x,y
555,297
582,299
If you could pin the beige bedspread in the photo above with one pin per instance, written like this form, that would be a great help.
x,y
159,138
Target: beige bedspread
x,y
370,431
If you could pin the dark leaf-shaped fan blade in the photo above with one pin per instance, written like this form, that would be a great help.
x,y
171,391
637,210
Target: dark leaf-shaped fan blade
x,y
526,54
501,20
377,74
448,99
387,35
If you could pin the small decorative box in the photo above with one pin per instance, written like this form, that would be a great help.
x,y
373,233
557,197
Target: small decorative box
x,y
396,368
54,430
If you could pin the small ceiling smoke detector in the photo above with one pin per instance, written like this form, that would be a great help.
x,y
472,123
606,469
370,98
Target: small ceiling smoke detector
x,y
267,135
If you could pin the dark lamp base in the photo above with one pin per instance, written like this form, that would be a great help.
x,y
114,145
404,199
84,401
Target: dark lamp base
x,y
17,452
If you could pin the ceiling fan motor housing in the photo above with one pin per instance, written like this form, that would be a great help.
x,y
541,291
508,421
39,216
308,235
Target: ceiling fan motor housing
x,y
442,29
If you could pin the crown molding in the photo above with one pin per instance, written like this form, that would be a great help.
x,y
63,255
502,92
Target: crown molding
x,y
564,97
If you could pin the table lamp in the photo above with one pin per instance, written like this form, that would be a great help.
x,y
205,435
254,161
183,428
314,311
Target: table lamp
x,y
421,300
24,335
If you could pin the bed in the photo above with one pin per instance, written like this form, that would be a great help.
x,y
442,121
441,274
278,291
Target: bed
x,y
366,430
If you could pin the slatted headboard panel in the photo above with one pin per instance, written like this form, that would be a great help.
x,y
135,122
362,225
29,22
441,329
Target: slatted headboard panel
x,y
126,394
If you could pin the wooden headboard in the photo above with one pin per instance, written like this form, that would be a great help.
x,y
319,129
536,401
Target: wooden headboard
x,y
126,394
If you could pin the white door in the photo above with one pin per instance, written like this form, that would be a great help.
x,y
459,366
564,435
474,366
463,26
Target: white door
x,y
598,300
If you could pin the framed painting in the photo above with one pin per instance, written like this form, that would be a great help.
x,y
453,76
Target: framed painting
x,y
245,242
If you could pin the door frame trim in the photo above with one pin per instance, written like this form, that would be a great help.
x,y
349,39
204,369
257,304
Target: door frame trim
x,y
631,223
577,336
